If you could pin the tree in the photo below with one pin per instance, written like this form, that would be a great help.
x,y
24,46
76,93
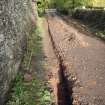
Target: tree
x,y
67,4
90,2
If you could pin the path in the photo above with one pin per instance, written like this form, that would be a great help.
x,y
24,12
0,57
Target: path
x,y
84,58
52,66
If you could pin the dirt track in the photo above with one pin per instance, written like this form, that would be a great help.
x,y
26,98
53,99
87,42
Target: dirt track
x,y
84,58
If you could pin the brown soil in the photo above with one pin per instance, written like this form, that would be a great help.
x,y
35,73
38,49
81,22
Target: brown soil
x,y
52,65
83,57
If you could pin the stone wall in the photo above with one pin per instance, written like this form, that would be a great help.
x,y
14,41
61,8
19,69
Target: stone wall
x,y
17,17
93,18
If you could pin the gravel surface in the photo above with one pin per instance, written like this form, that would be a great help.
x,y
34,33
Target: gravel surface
x,y
84,58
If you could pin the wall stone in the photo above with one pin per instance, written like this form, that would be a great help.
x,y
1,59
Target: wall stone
x,y
17,17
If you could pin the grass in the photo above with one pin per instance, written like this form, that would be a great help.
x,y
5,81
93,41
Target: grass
x,y
101,34
36,91
33,46
32,93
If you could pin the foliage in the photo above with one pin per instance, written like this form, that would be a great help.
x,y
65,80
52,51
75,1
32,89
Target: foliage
x,y
34,45
100,3
66,5
71,4
42,5
32,93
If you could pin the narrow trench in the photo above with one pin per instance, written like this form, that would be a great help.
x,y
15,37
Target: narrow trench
x,y
64,90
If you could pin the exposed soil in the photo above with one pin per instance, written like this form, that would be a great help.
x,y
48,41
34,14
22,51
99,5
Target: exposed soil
x,y
55,71
52,66
84,59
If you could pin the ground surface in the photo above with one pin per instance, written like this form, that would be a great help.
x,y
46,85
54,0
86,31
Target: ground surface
x,y
53,70
52,66
84,58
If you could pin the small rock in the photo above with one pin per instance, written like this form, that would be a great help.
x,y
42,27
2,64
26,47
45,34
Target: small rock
x,y
28,77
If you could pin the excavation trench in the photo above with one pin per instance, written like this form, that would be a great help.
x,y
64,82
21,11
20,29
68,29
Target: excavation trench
x,y
64,93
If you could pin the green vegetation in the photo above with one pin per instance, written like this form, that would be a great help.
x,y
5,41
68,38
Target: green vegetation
x,y
99,3
33,46
42,5
34,91
101,34
66,5
31,93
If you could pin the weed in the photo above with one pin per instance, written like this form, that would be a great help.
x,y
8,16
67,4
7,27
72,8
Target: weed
x,y
32,93
101,34
33,46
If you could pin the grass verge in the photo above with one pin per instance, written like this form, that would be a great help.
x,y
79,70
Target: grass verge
x,y
101,34
34,91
